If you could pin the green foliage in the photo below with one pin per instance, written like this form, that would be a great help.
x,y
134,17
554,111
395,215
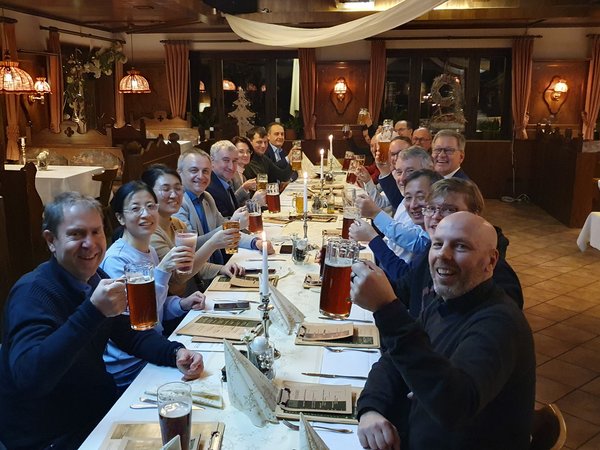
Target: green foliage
x,y
295,123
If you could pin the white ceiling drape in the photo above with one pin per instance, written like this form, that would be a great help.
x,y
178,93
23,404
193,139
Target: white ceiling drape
x,y
365,27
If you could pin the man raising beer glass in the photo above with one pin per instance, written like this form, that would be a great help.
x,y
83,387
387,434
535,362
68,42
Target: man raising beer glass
x,y
58,320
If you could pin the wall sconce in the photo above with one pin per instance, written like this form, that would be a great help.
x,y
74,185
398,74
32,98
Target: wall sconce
x,y
556,94
340,95
201,87
41,87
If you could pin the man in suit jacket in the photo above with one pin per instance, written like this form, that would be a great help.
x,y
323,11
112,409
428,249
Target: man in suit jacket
x,y
198,209
276,137
224,156
260,162
448,152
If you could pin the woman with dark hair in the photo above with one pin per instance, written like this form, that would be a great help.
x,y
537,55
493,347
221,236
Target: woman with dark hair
x,y
166,185
135,206
243,188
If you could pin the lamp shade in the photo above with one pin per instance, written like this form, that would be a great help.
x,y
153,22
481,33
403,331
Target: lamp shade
x,y
41,86
134,83
14,80
561,86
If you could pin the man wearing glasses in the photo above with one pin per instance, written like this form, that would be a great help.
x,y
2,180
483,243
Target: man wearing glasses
x,y
448,152
422,137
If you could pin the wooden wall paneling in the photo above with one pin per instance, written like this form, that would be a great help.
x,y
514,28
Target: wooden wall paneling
x,y
356,74
144,105
488,163
575,74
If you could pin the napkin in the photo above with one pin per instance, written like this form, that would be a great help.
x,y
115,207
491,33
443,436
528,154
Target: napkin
x,y
249,390
309,439
285,314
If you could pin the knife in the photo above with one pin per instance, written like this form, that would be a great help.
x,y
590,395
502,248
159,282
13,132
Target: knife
x,y
333,375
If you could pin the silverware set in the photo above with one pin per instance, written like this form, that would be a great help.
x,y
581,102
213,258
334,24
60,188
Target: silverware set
x,y
294,427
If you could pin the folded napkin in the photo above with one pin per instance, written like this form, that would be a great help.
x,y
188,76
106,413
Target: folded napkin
x,y
249,389
285,314
309,439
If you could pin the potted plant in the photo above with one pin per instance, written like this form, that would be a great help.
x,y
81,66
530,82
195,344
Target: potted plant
x,y
294,127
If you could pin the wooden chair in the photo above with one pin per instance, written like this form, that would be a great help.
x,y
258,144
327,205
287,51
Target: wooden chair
x,y
106,178
158,152
549,430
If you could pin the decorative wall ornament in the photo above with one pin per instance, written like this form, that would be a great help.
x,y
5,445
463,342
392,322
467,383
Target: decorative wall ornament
x,y
447,99
556,94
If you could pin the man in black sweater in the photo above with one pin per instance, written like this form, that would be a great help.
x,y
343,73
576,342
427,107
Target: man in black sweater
x,y
58,319
463,375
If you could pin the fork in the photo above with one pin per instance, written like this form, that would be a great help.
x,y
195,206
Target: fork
x,y
334,430
339,350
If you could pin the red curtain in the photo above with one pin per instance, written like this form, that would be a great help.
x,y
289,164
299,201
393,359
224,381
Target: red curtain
x,y
12,101
377,71
178,70
522,52
592,97
56,82
308,90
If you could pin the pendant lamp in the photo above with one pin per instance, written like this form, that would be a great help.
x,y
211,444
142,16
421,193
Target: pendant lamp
x,y
133,82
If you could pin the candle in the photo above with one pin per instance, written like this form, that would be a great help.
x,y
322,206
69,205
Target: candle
x,y
22,141
322,153
330,147
305,192
264,281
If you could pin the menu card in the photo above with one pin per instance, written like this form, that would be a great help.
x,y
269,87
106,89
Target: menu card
x,y
248,283
340,334
216,328
323,403
146,435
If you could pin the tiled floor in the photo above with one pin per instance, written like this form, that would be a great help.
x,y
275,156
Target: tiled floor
x,y
562,303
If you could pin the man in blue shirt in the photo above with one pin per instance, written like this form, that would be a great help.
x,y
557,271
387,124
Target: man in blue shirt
x,y
224,156
276,137
57,322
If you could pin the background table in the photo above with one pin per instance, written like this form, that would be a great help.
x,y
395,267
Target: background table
x,y
590,232
239,432
58,179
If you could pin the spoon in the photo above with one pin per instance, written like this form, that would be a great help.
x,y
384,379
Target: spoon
x,y
335,430
339,350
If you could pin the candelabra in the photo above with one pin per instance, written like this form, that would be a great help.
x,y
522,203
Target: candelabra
x,y
265,306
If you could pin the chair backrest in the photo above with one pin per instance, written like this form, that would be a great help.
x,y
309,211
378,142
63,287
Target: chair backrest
x,y
549,431
106,178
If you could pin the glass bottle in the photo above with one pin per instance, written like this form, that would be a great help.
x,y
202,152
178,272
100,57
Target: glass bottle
x,y
331,202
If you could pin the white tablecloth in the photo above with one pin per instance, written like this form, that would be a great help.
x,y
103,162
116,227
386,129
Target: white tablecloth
x,y
590,233
239,433
57,179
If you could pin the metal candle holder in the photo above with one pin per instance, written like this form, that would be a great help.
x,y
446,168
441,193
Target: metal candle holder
x,y
265,306
305,225
23,153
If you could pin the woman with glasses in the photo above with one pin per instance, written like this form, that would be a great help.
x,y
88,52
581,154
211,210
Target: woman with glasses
x,y
135,206
166,185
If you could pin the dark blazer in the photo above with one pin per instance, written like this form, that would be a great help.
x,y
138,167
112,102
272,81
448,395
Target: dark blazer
x,y
282,163
264,164
222,198
461,174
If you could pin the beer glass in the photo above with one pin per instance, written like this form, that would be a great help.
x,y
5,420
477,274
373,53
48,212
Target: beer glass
x,y
227,225
335,288
299,203
351,213
360,159
255,223
141,296
362,116
349,198
348,156
175,412
346,131
187,239
261,181
384,140
296,158
351,175
273,202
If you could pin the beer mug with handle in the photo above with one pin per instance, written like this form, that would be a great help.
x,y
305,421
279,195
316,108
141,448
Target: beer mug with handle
x,y
340,254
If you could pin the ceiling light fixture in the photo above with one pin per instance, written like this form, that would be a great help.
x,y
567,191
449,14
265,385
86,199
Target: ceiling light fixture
x,y
134,82
12,79
355,5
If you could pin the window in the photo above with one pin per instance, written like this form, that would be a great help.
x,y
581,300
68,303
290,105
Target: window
x,y
465,90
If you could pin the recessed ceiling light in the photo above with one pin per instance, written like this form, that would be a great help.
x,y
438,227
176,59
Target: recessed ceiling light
x,y
143,7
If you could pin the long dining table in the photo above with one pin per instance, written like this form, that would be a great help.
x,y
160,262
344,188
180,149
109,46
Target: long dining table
x,y
239,432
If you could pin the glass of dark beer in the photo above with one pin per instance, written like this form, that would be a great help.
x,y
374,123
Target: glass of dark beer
x,y
175,412
335,287
141,296
350,214
348,156
273,202
255,223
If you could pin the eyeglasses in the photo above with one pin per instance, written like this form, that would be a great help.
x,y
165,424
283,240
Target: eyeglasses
x,y
447,150
421,139
166,190
137,210
443,211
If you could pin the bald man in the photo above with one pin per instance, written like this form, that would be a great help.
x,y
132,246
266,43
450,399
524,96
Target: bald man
x,y
422,137
463,375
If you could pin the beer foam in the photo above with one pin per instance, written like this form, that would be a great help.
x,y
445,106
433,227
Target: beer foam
x,y
175,410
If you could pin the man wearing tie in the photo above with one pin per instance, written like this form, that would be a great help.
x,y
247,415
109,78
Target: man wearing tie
x,y
224,157
276,137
